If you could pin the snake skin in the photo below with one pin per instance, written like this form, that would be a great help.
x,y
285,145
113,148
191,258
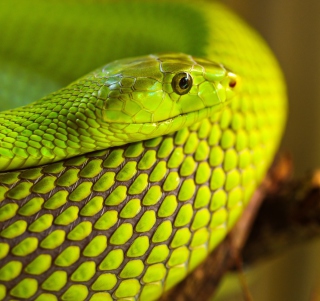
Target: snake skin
x,y
130,222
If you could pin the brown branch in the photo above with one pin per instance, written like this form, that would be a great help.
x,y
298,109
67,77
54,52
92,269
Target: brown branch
x,y
290,214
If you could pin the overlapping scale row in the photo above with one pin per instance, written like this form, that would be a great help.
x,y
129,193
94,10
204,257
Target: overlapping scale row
x,y
127,221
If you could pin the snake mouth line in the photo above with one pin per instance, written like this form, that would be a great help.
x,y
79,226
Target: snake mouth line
x,y
128,133
210,110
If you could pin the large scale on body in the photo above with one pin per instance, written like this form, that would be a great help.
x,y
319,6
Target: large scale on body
x,y
129,222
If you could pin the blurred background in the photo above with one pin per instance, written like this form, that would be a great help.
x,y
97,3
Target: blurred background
x,y
292,29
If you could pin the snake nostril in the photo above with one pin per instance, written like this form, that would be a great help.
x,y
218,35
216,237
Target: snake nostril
x,y
232,83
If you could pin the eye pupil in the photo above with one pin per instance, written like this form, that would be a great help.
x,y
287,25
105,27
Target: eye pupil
x,y
182,83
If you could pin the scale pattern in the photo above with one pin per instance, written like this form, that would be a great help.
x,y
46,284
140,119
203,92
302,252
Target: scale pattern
x,y
130,222
113,221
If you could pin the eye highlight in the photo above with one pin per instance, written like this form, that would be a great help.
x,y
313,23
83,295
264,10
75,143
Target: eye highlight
x,y
181,83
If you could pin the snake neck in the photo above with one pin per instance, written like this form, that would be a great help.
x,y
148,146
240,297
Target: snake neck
x,y
61,125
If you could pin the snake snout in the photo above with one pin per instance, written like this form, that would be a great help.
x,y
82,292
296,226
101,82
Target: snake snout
x,y
232,79
231,84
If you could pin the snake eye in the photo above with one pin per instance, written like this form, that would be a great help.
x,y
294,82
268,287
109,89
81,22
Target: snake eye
x,y
181,83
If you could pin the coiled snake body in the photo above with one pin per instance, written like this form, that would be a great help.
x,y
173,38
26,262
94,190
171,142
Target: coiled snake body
x,y
117,186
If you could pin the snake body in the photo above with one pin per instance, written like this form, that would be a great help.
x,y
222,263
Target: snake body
x,y
133,218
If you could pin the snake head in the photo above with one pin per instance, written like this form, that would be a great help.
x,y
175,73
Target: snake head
x,y
157,94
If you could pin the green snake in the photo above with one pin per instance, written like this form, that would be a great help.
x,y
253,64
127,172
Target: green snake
x,y
118,185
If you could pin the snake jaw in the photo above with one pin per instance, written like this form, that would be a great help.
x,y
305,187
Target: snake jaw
x,y
127,133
